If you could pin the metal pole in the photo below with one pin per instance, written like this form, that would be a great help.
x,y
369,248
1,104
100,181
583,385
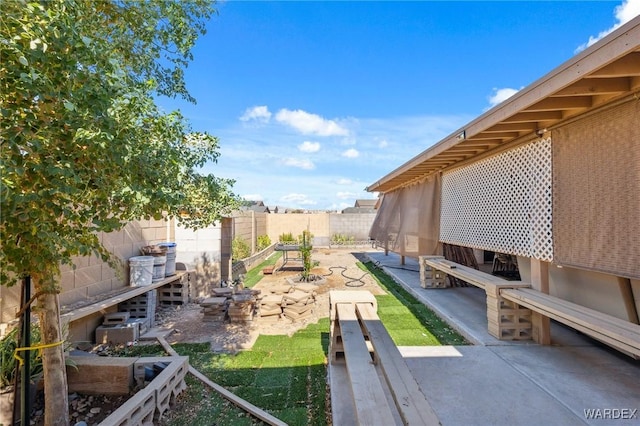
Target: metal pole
x,y
25,342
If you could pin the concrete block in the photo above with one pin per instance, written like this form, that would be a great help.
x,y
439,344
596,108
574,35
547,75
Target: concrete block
x,y
116,318
117,334
136,411
101,375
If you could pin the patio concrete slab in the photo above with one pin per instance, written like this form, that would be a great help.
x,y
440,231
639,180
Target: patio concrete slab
x,y
576,380
471,385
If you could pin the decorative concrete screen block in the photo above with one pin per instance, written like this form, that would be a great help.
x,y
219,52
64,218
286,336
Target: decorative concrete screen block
x,y
502,203
430,277
508,320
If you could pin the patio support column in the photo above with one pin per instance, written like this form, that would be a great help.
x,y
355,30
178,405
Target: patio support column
x,y
540,325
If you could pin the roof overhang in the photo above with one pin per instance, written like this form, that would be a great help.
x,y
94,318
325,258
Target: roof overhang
x,y
606,72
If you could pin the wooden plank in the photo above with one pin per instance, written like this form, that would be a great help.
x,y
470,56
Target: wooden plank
x,y
409,398
616,332
74,314
570,308
370,401
245,405
470,275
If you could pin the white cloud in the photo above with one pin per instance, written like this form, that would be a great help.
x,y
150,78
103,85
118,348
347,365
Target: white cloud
x,y
346,195
351,153
500,95
383,144
257,113
301,163
310,124
623,13
253,197
299,199
308,146
344,181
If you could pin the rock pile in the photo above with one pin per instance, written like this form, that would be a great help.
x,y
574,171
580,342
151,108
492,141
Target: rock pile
x,y
238,306
287,301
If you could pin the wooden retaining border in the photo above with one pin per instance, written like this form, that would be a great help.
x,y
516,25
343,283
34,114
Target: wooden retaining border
x,y
359,339
245,405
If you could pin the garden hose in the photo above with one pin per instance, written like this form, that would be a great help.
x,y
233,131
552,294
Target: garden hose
x,y
351,280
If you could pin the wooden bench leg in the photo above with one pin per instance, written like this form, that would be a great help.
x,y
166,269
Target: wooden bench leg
x,y
540,325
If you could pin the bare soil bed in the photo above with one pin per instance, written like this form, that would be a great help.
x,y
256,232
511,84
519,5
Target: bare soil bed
x,y
184,323
337,266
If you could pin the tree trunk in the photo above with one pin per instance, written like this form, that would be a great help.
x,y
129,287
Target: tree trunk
x,y
55,374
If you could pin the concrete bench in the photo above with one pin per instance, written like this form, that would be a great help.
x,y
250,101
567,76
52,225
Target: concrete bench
x,y
360,340
618,333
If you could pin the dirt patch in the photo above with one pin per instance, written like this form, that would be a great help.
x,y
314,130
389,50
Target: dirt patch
x,y
337,266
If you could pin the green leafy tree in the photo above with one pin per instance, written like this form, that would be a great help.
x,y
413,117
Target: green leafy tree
x,y
84,148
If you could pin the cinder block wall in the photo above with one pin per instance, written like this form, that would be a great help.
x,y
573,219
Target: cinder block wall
x,y
317,223
355,225
92,277
249,226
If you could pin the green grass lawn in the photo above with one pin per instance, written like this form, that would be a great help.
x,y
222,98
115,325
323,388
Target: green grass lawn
x,y
255,275
286,376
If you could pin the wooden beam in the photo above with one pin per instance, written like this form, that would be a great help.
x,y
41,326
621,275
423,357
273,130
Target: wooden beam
x,y
561,103
245,405
369,397
523,126
530,117
495,134
540,325
594,86
626,66
413,406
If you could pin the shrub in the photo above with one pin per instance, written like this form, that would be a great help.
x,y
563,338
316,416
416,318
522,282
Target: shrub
x,y
342,239
287,238
263,242
240,249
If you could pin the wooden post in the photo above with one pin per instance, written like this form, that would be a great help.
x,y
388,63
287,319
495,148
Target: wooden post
x,y
540,325
402,261
627,296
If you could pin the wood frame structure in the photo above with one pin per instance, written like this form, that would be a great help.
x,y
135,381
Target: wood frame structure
x,y
598,83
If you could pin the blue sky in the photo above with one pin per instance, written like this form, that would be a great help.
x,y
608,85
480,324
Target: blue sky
x,y
313,101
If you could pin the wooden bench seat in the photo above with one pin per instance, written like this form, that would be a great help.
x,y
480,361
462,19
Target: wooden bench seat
x,y
472,276
410,401
613,331
360,341
75,312
369,397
